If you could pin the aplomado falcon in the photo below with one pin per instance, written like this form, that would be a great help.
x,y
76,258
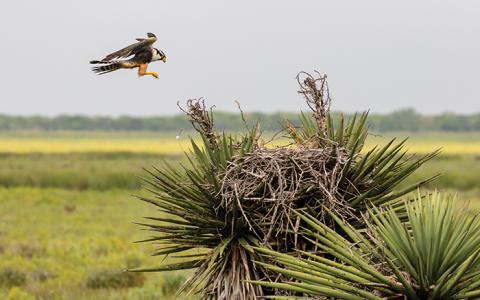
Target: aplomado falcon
x,y
143,53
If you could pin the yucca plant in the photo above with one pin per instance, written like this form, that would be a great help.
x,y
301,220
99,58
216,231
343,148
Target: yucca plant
x,y
237,193
434,254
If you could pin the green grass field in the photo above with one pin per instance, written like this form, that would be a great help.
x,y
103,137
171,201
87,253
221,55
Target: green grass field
x,y
66,228
74,245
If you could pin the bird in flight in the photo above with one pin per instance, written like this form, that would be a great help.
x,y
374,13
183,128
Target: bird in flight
x,y
143,53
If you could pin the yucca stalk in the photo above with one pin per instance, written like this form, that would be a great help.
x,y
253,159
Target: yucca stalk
x,y
235,194
435,254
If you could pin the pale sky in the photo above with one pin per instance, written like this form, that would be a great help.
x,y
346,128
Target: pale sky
x,y
379,55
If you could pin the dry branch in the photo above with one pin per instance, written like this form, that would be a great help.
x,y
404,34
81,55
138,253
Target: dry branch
x,y
314,88
201,119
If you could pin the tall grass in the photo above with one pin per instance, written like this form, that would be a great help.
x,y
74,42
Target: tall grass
x,y
79,171
119,170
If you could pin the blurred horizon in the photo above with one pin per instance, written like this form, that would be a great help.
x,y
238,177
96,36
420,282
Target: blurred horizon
x,y
400,120
235,111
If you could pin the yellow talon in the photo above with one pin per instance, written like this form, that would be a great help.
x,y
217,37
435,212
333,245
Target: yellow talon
x,y
154,74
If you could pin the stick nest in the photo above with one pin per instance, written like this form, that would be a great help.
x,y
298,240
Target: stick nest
x,y
266,184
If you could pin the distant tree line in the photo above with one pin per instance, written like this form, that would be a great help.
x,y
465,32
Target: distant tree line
x,y
409,120
402,120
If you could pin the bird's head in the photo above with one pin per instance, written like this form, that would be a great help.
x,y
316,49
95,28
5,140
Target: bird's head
x,y
159,55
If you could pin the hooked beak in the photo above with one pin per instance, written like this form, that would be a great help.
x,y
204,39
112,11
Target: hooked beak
x,y
164,59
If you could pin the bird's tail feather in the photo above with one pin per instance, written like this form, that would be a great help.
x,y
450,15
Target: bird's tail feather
x,y
107,68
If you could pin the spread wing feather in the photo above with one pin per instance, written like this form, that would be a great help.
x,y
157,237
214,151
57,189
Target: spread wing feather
x,y
132,49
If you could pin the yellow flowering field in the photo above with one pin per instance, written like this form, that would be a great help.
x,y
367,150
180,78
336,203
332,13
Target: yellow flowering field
x,y
451,143
447,147
68,145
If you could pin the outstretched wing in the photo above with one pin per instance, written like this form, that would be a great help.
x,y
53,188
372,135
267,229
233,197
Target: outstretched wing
x,y
132,49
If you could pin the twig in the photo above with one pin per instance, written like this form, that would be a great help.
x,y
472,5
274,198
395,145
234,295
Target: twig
x,y
201,119
314,89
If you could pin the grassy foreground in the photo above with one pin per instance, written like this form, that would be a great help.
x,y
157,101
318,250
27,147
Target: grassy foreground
x,y
64,244
61,244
